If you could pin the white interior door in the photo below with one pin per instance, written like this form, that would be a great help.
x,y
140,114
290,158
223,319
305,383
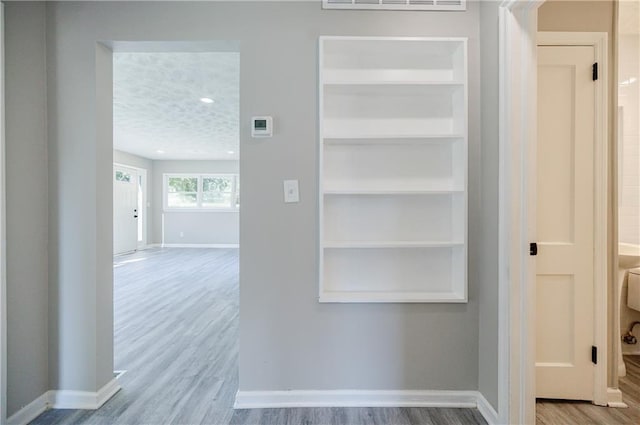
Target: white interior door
x,y
125,209
565,223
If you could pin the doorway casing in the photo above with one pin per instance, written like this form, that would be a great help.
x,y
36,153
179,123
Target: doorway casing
x,y
3,240
517,147
104,123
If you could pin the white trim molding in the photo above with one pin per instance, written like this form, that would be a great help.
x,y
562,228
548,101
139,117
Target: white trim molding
x,y
487,411
517,94
199,245
614,398
65,399
3,237
30,411
366,398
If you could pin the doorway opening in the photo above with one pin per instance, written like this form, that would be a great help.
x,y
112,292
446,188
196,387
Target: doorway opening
x,y
176,207
519,25
569,215
129,209
628,203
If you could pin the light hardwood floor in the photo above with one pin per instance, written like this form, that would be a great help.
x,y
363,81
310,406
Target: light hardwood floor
x,y
550,412
176,335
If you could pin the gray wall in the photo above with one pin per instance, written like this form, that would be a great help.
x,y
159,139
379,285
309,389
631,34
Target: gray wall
x,y
125,158
288,340
488,290
27,197
80,213
132,160
201,228
197,227
100,369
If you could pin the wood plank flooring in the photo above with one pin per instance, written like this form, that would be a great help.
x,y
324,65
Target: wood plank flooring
x,y
176,335
552,412
358,416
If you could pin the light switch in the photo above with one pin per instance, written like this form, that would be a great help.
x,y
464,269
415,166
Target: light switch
x,y
291,193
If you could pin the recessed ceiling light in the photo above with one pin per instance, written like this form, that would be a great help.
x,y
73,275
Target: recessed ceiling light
x,y
230,152
206,100
160,151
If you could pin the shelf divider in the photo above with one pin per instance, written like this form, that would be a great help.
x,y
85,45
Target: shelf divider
x,y
391,244
382,191
391,297
373,139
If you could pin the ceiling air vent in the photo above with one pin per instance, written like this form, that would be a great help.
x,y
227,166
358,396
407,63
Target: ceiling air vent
x,y
396,4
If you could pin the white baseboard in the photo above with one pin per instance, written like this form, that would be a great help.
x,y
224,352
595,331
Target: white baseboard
x,y
362,398
65,399
30,411
487,411
199,245
614,398
354,398
109,390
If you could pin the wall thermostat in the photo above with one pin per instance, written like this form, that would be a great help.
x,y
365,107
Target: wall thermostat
x,y
261,127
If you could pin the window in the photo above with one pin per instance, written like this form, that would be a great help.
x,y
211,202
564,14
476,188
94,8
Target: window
x,y
121,176
182,192
217,191
201,191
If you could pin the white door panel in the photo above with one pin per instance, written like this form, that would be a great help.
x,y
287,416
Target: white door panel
x,y
565,223
125,210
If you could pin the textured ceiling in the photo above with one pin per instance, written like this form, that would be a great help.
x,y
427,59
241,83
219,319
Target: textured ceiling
x,y
157,107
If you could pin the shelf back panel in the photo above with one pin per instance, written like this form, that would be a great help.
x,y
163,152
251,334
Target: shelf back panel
x,y
389,270
428,166
434,58
390,218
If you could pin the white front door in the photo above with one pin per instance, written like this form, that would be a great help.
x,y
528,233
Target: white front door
x,y
125,209
565,223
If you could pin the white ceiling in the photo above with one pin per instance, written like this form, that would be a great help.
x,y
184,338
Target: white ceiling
x,y
157,107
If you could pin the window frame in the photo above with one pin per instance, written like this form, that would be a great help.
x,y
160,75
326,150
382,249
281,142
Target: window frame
x,y
200,191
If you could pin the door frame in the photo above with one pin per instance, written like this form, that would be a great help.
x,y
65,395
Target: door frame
x,y
3,238
518,23
145,198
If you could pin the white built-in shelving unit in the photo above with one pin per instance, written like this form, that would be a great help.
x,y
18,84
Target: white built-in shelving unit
x,y
450,5
393,169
